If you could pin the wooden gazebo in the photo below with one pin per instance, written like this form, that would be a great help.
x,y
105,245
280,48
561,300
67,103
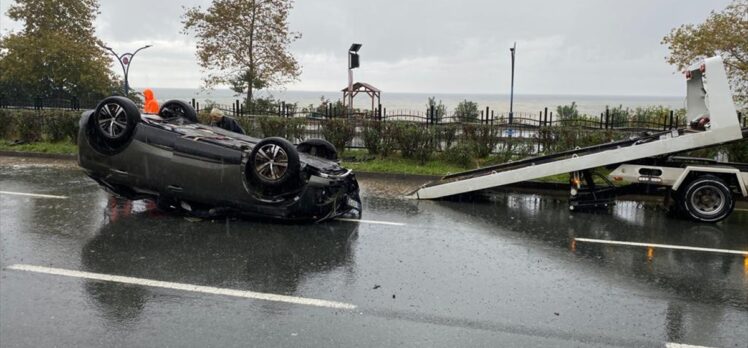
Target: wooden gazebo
x,y
374,93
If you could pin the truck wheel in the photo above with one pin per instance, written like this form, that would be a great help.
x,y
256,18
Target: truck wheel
x,y
178,108
708,199
319,148
273,163
114,119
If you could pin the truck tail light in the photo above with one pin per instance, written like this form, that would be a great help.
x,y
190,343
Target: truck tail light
x,y
688,74
702,68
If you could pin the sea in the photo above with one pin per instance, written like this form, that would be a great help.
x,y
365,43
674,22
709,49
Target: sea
x,y
417,102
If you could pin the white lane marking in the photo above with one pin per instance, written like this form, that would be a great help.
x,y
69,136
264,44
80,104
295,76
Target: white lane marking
x,y
681,345
184,287
738,209
35,195
372,222
663,246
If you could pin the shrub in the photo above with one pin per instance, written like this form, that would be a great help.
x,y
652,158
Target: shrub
x,y
619,116
60,125
486,139
388,141
461,154
295,128
483,137
447,135
415,141
28,126
338,132
6,124
467,111
248,125
566,112
272,126
651,116
290,128
372,136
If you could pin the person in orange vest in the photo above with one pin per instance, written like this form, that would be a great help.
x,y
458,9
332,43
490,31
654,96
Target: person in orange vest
x,y
151,104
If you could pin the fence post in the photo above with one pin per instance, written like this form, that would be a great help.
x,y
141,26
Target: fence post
x,y
193,103
241,110
545,123
233,109
550,117
607,116
486,119
384,117
480,120
492,117
672,119
197,107
540,120
432,115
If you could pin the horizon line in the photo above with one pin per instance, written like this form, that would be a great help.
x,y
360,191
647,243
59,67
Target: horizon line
x,y
444,93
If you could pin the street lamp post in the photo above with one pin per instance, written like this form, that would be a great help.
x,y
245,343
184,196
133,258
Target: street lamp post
x,y
125,60
353,63
513,50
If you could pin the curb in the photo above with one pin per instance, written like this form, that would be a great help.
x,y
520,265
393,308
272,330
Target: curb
x,y
39,155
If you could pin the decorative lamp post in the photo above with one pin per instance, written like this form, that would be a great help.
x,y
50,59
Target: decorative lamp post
x,y
125,60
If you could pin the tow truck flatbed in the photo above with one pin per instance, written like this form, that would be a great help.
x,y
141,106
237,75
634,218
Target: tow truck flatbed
x,y
707,99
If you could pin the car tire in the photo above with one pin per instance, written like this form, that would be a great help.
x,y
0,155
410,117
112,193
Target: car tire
x,y
319,148
274,163
114,120
707,199
178,108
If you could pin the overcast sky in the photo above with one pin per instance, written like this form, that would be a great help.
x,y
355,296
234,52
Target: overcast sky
x,y
581,47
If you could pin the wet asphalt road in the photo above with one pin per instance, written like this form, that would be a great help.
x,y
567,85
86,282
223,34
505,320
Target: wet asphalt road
x,y
502,273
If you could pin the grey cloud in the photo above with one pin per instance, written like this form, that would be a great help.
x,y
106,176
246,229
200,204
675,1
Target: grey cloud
x,y
565,47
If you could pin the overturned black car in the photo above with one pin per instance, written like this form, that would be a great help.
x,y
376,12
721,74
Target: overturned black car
x,y
207,171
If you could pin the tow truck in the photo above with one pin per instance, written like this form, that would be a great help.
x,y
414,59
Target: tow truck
x,y
703,190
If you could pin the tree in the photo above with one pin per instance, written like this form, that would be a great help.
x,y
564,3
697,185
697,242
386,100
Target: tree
x,y
567,112
244,43
723,33
467,111
439,109
56,54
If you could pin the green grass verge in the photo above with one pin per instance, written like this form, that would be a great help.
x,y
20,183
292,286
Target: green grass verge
x,y
399,165
63,148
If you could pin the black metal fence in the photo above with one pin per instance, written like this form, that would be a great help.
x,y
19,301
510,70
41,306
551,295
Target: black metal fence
x,y
523,127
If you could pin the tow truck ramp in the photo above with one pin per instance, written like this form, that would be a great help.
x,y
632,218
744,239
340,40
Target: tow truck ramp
x,y
708,98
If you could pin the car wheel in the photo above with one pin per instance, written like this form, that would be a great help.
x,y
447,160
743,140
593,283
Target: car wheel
x,y
320,148
708,199
273,163
178,108
114,119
